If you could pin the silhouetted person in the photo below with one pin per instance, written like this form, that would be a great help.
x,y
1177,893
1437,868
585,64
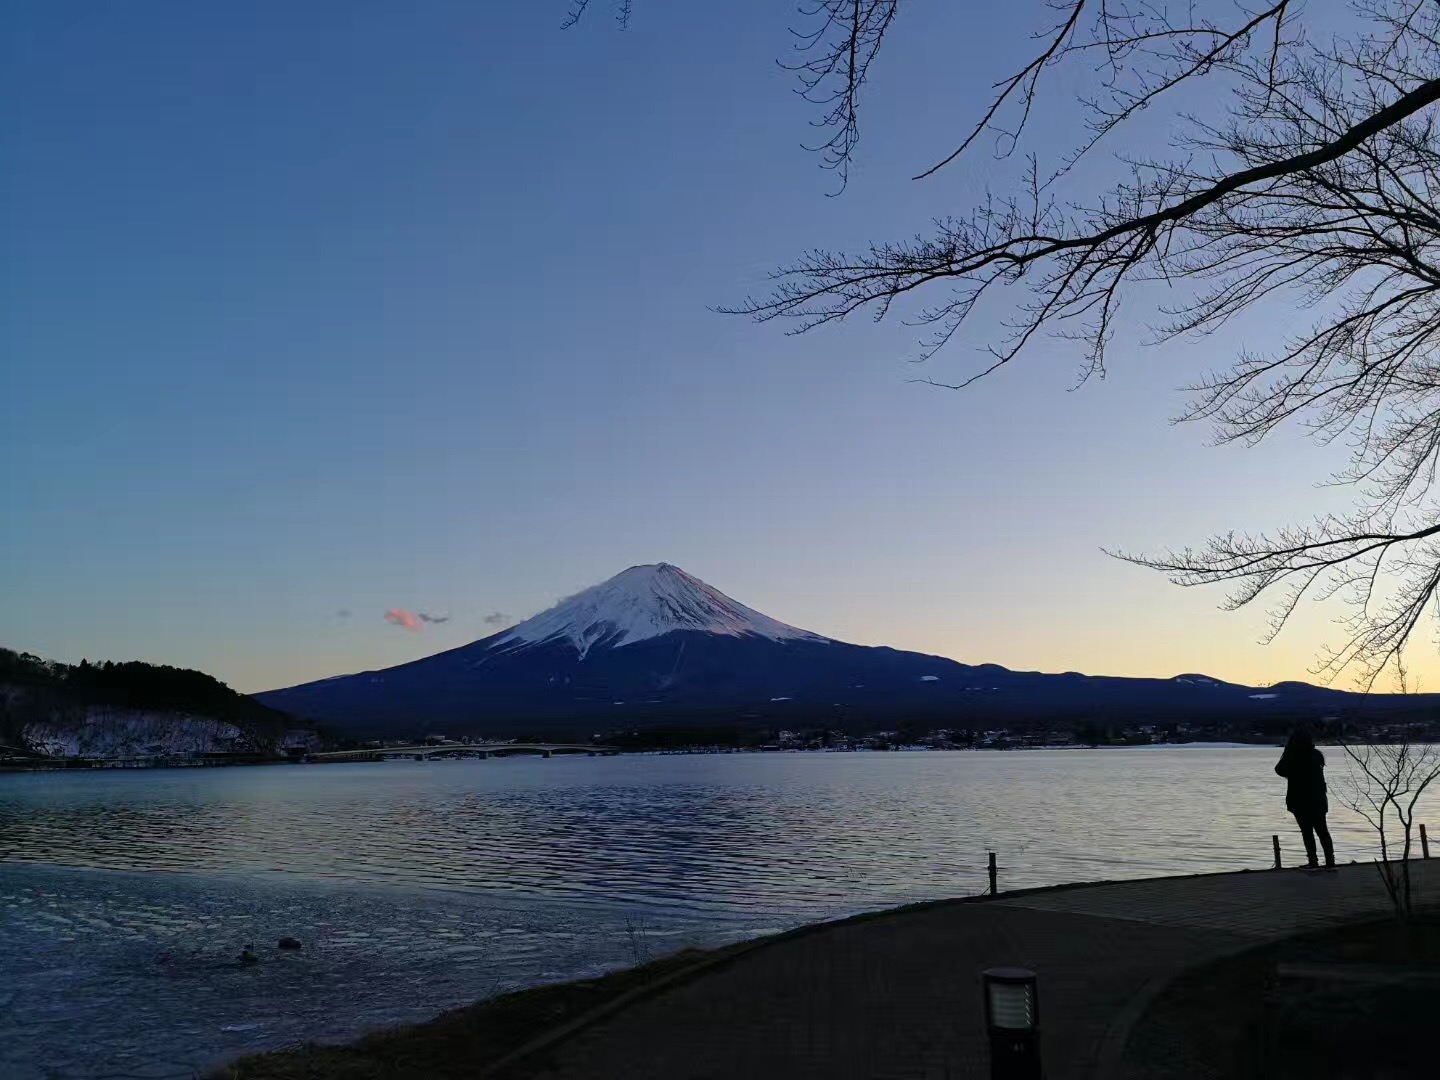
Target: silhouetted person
x,y
1304,769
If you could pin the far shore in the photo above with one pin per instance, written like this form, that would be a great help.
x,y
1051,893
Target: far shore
x,y
83,765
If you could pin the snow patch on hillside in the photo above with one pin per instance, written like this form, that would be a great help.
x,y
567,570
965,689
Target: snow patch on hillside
x,y
645,602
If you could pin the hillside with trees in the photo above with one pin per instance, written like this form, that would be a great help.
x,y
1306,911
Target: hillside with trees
x,y
131,709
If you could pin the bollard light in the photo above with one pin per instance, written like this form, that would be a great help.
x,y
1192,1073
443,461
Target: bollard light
x,y
1012,1021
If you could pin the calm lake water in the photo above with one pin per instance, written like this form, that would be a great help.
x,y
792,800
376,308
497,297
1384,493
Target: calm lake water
x,y
125,896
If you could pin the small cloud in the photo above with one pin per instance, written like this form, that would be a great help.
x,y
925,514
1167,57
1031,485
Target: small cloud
x,y
425,616
401,617
344,613
495,618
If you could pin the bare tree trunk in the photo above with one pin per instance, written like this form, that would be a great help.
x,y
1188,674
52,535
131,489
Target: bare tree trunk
x,y
1404,876
1387,878
1388,872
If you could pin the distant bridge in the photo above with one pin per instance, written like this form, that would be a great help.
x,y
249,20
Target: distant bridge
x,y
18,753
475,750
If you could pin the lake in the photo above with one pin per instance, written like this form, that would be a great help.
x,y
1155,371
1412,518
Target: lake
x,y
126,896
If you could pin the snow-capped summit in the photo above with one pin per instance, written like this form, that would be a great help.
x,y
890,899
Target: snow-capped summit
x,y
645,602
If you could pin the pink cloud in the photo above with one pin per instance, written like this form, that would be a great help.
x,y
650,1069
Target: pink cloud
x,y
401,617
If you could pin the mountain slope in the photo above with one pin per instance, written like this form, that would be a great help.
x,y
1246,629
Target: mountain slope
x,y
656,645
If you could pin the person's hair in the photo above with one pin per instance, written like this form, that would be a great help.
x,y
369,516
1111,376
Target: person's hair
x,y
1299,740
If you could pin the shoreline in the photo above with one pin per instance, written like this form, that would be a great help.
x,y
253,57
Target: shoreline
x,y
514,1033
539,1016
74,765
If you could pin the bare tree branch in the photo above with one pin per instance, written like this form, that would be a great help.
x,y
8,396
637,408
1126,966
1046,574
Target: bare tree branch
x,y
1310,179
1384,784
1315,183
832,61
1022,85
579,7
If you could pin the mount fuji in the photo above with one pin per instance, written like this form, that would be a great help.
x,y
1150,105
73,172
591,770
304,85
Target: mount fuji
x,y
647,602
654,645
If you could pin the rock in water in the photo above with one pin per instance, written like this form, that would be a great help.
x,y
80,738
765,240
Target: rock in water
x,y
289,943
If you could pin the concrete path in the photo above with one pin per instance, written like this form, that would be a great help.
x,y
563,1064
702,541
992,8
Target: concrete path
x,y
897,996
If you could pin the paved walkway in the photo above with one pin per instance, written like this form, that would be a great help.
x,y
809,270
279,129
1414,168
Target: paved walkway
x,y
897,997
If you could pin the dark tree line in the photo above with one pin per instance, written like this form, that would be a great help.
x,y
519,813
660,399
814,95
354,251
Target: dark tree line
x,y
132,684
1302,181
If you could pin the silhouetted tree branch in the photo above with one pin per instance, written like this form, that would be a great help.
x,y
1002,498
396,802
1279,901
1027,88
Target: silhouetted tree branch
x,y
1384,784
832,47
1313,181
579,7
1309,176
833,61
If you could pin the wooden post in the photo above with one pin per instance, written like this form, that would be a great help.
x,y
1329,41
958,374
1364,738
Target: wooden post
x,y
993,889
1275,839
1424,844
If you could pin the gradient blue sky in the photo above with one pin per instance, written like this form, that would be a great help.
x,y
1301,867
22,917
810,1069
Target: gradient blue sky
x,y
343,306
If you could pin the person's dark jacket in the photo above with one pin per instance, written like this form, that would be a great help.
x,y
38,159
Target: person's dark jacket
x,y
1305,772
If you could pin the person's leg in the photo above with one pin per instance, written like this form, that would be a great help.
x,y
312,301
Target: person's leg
x,y
1324,830
1307,831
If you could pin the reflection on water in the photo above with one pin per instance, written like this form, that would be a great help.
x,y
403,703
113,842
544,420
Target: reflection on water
x,y
418,886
